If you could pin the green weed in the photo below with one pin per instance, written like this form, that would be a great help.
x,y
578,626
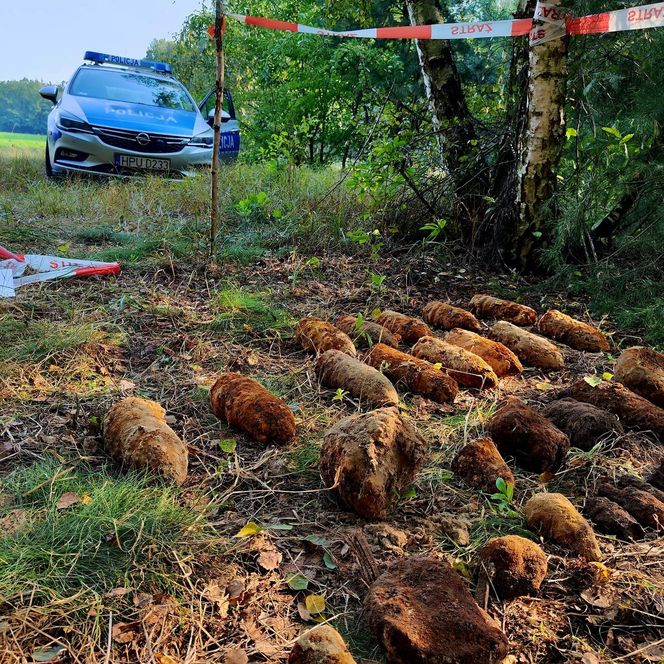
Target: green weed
x,y
249,311
118,530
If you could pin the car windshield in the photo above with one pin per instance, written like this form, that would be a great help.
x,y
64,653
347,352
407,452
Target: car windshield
x,y
130,87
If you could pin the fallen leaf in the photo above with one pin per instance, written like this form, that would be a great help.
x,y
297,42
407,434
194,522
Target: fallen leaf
x,y
315,604
124,632
303,611
86,499
593,381
599,596
249,530
117,592
54,654
164,659
237,656
297,582
13,522
214,593
141,600
269,559
67,500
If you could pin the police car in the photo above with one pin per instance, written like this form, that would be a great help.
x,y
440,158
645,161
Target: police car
x,y
121,116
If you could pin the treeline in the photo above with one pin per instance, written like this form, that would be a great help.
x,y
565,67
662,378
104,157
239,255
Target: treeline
x,y
22,110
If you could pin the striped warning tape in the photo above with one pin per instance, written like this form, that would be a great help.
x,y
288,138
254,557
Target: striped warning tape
x,y
548,23
44,268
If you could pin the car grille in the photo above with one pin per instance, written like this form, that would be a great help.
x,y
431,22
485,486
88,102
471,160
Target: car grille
x,y
127,140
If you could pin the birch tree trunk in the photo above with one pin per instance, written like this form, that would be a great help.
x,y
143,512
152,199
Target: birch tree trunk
x,y
539,154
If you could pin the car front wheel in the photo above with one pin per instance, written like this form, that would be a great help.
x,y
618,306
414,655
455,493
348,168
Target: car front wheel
x,y
47,163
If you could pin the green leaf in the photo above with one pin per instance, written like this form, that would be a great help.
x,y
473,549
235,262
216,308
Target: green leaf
x,y
228,445
297,582
315,539
571,132
626,138
410,492
593,381
49,654
613,131
278,526
328,561
501,485
607,376
537,234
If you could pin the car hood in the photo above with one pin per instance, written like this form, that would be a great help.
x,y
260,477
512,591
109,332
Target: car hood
x,y
136,117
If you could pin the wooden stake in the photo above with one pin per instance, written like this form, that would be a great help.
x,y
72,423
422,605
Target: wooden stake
x,y
219,98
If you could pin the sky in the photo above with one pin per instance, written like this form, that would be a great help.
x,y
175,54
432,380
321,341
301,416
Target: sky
x,y
46,39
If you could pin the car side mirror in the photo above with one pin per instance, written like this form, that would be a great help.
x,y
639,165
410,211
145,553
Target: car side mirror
x,y
50,92
225,117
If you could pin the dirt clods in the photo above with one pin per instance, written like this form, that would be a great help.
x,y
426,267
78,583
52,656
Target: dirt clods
x,y
467,369
136,434
338,370
584,423
611,519
556,519
446,317
530,348
575,333
642,371
633,410
366,333
498,356
479,465
247,405
321,645
647,509
370,459
410,329
514,566
421,612
522,433
318,336
486,306
417,376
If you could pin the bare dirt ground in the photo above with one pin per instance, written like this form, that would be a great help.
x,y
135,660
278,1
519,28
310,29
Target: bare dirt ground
x,y
242,598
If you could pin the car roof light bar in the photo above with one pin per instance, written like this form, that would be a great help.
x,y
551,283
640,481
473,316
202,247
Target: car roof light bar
x,y
105,58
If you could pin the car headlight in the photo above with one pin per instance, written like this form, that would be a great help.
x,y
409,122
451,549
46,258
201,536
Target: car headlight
x,y
71,123
202,141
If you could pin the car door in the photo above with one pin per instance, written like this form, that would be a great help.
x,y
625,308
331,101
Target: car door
x,y
229,144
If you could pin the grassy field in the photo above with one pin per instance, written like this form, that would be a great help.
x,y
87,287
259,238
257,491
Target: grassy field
x,y
28,145
101,564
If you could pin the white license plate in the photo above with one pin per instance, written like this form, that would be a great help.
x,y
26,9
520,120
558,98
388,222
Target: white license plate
x,y
147,163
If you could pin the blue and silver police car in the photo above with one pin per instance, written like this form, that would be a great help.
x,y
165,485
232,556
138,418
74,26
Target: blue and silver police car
x,y
121,116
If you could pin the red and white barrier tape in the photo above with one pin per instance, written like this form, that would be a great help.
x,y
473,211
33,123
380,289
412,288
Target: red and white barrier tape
x,y
547,24
44,268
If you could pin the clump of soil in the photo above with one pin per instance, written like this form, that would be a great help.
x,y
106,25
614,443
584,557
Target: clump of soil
x,y
417,376
498,356
584,423
318,336
446,317
338,370
421,612
247,405
370,459
513,565
632,409
647,509
320,645
530,348
410,329
467,369
575,333
555,518
611,519
534,442
486,306
136,434
642,371
479,464
367,333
